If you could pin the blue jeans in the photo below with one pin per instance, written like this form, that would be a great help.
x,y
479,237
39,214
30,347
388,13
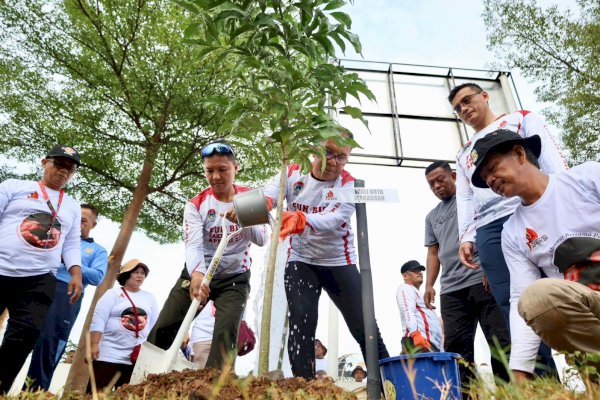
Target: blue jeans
x,y
489,247
53,338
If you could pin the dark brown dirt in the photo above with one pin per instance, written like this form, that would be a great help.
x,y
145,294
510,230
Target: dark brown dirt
x,y
212,384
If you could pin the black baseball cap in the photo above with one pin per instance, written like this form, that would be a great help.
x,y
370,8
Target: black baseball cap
x,y
60,150
491,141
412,265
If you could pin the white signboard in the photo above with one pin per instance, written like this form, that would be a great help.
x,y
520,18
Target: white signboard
x,y
359,195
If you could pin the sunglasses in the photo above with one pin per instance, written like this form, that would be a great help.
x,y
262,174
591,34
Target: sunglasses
x,y
216,148
69,167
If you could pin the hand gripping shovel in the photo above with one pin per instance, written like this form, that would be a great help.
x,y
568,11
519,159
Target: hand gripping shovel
x,y
153,359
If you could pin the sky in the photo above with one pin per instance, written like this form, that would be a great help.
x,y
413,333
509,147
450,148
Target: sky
x,y
431,32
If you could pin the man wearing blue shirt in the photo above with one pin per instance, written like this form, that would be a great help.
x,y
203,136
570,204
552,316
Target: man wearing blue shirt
x,y
53,339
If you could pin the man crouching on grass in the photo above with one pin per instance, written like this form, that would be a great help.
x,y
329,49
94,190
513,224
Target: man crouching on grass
x,y
555,229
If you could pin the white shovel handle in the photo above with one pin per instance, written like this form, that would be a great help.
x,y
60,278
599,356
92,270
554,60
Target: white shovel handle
x,y
195,306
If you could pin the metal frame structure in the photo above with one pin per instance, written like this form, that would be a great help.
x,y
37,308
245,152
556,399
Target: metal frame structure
x,y
499,84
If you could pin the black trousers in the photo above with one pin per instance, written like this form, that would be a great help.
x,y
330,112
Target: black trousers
x,y
173,312
461,311
27,300
303,285
229,295
104,373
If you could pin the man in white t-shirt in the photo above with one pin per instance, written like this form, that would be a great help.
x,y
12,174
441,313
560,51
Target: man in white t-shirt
x,y
555,229
39,226
422,330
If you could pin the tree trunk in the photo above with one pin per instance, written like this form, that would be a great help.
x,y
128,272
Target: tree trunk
x,y
78,374
265,323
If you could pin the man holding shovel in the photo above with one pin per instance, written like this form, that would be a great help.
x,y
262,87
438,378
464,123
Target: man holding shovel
x,y
230,285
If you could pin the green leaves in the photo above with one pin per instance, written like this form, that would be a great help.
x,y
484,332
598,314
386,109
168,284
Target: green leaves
x,y
558,49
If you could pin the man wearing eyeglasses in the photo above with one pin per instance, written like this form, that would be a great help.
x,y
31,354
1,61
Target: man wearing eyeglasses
x,y
39,226
321,256
230,284
481,212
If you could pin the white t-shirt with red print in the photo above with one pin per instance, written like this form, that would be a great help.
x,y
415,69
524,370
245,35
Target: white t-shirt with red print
x,y
477,207
327,239
115,319
416,316
202,228
534,238
32,243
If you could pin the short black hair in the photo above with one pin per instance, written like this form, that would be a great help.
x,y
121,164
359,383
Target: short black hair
x,y
122,278
507,147
438,164
457,89
90,207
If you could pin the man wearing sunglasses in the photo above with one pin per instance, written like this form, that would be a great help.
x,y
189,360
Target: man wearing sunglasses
x,y
481,212
230,284
39,226
321,256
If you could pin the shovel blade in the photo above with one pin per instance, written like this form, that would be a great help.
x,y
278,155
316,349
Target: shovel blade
x,y
151,360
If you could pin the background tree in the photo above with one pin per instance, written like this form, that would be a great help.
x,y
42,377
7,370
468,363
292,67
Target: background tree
x,y
559,50
287,85
114,79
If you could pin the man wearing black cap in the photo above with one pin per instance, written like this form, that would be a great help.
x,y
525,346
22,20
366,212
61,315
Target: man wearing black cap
x,y
481,213
422,331
554,230
39,225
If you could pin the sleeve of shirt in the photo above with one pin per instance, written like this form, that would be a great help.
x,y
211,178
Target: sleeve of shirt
x,y
271,190
102,311
95,271
525,343
551,159
465,212
258,234
407,304
193,226
5,194
71,250
334,216
589,174
154,314
430,238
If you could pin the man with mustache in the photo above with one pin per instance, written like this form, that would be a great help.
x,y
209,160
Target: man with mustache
x,y
555,229
481,213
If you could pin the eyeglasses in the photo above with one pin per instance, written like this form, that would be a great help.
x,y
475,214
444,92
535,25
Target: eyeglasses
x,y
69,167
218,148
340,158
464,102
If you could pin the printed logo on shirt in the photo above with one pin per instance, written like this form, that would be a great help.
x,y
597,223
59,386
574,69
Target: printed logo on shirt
x,y
40,230
298,186
88,250
129,322
474,155
330,196
533,239
33,196
502,124
211,216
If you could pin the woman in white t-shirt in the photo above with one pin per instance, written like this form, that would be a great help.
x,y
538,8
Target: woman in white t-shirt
x,y
122,320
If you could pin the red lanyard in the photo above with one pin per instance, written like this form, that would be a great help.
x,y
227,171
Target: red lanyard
x,y
50,206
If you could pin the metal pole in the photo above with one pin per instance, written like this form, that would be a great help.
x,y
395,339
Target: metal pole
x,y
373,375
332,342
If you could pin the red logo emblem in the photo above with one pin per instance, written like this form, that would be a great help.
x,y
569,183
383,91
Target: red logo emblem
x,y
531,236
330,195
502,124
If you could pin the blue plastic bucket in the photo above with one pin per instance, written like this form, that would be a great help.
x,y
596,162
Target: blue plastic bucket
x,y
424,376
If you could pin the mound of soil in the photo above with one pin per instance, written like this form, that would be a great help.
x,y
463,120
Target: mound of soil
x,y
212,384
